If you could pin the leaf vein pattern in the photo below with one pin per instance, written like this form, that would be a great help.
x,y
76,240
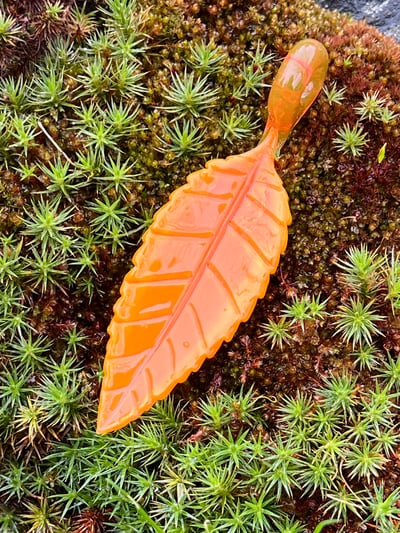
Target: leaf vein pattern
x,y
199,324
225,284
249,239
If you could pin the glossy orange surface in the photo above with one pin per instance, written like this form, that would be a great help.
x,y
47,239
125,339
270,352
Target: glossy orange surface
x,y
206,258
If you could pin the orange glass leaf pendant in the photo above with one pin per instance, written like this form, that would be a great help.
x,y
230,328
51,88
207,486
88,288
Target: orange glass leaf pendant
x,y
206,258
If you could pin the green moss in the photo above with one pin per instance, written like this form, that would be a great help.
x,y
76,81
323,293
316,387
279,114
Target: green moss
x,y
92,140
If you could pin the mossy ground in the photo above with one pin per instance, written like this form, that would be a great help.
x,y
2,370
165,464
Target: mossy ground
x,y
337,201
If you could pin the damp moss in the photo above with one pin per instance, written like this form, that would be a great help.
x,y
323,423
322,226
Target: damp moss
x,y
98,132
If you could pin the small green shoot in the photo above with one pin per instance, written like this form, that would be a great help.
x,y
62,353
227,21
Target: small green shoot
x,y
350,140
